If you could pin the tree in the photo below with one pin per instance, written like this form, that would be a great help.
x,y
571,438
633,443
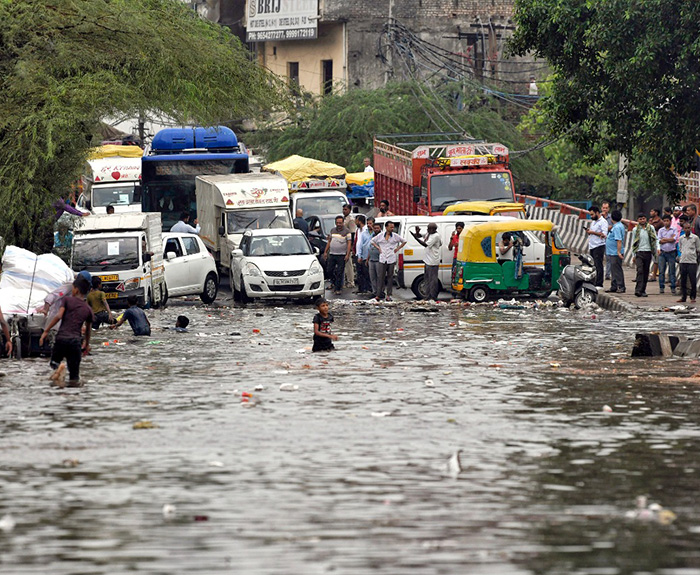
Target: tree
x,y
66,64
626,76
341,128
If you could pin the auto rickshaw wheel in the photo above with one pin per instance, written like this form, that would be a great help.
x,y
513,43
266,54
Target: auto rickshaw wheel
x,y
479,294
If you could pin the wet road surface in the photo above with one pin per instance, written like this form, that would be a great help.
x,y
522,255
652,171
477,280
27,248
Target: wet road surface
x,y
344,469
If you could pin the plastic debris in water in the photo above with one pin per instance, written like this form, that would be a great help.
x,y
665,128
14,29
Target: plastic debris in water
x,y
429,383
607,409
7,523
169,511
454,464
201,518
288,387
144,425
652,512
259,387
216,464
555,364
154,342
380,413
70,463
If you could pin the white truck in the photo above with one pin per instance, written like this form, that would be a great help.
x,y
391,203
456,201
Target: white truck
x,y
126,251
112,179
229,205
318,197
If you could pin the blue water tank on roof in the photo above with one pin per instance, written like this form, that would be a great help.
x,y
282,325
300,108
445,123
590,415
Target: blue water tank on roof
x,y
171,140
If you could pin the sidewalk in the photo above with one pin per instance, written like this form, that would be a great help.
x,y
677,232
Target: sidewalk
x,y
628,301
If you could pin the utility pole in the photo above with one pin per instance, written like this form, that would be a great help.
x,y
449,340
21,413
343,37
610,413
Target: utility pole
x,y
390,49
623,196
142,127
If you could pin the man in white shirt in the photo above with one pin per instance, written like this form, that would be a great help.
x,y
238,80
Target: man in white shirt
x,y
183,225
431,258
368,166
597,234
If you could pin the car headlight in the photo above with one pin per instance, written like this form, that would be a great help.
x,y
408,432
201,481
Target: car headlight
x,y
315,268
133,283
252,270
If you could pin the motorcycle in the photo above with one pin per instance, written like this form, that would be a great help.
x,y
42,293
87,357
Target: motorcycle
x,y
576,283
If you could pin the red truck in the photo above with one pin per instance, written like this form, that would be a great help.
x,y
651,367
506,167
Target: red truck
x,y
422,174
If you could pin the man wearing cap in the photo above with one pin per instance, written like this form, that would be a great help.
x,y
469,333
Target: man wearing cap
x,y
675,221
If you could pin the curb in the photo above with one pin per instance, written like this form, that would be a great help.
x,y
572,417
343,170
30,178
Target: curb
x,y
610,302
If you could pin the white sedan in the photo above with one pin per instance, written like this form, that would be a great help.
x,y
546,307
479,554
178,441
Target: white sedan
x,y
189,267
275,263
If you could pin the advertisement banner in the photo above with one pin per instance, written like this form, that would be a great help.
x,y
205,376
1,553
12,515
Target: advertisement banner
x,y
282,20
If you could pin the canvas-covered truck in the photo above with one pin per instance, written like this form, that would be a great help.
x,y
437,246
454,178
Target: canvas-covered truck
x,y
316,187
229,205
126,251
112,176
422,174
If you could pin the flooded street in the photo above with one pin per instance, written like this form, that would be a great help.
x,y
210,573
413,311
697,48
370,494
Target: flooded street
x,y
348,472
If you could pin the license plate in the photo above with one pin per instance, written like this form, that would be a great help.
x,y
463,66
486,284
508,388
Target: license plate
x,y
111,295
112,278
285,281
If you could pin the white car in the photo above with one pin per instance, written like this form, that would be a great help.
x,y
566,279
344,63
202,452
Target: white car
x,y
189,267
275,263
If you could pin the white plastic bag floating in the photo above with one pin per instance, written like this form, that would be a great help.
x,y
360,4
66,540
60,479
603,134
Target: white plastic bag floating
x,y
27,279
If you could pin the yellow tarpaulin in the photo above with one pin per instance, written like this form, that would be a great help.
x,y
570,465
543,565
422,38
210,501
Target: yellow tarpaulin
x,y
359,178
295,168
114,151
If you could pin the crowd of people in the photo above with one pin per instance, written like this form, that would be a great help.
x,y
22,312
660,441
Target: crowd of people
x,y
659,242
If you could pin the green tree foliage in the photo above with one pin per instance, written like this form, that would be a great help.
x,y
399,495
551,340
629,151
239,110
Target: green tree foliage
x,y
626,76
341,128
66,64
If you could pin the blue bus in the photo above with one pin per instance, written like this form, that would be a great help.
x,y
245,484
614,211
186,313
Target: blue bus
x,y
176,157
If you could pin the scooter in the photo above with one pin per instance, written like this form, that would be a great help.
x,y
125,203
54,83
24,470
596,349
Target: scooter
x,y
576,283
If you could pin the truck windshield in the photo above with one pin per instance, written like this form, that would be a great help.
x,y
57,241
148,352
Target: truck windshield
x,y
171,198
279,246
242,220
321,206
115,195
102,254
451,188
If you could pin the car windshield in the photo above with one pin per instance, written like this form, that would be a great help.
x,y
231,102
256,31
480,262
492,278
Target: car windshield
x,y
320,206
286,245
243,220
102,254
452,188
115,195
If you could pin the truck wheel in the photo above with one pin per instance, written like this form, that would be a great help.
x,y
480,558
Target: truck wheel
x,y
211,288
478,294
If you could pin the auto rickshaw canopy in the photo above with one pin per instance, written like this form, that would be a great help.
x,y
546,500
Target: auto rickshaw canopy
x,y
483,207
478,242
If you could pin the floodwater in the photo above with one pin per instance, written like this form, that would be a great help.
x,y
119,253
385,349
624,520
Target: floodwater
x,y
348,473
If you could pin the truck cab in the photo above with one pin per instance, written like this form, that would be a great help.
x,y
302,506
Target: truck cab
x,y
229,205
125,251
112,176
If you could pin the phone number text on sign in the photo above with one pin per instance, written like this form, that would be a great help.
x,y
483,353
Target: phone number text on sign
x,y
298,34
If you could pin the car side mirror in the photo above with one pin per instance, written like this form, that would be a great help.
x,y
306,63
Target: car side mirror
x,y
316,251
237,253
222,231
416,194
170,256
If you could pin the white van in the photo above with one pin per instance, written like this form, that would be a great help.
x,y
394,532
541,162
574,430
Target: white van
x,y
410,265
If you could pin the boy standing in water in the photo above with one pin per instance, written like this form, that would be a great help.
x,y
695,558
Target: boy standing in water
x,y
97,300
137,318
73,313
323,338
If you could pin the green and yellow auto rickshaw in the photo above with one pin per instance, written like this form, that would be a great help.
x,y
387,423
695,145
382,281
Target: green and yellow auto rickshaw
x,y
481,271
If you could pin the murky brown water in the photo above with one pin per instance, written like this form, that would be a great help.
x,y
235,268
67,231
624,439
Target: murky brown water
x,y
347,474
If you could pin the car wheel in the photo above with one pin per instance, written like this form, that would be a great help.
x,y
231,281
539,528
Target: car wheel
x,y
418,287
211,288
164,295
584,297
244,295
235,293
478,294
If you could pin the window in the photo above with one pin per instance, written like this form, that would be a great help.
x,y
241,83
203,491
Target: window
x,y
172,245
293,73
191,246
326,77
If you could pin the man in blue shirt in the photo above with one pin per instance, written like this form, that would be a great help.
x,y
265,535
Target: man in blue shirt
x,y
615,252
136,317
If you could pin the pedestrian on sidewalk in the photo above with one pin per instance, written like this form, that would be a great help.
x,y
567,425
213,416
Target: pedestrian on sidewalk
x,y
675,220
373,257
690,253
615,252
644,244
349,220
597,232
656,221
668,238
431,259
337,252
605,213
389,245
